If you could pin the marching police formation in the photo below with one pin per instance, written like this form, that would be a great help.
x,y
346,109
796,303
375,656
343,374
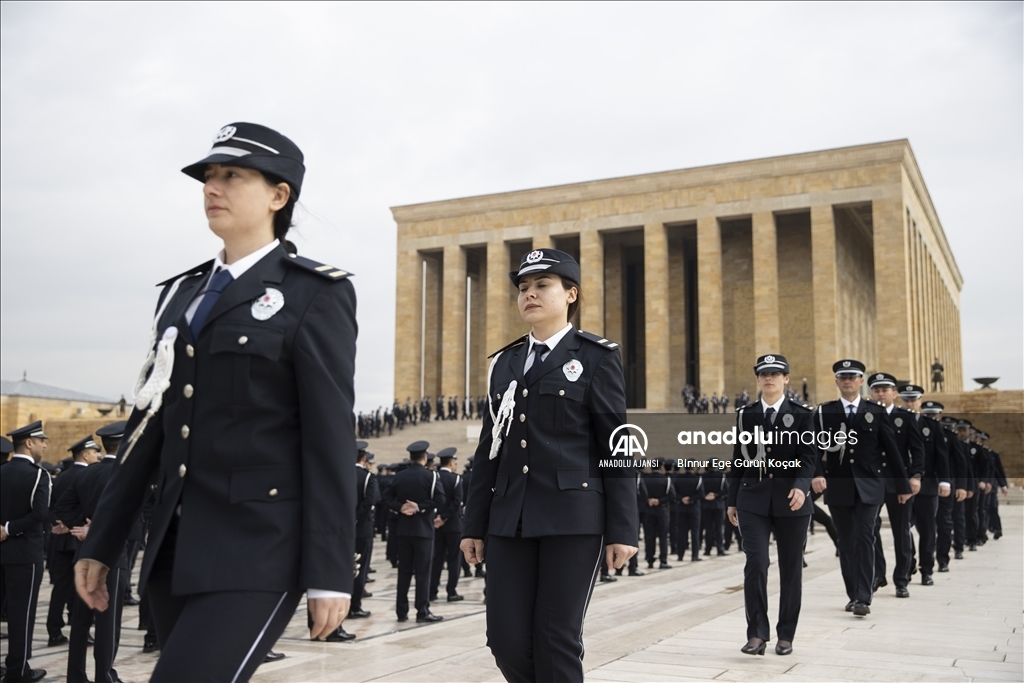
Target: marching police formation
x,y
240,474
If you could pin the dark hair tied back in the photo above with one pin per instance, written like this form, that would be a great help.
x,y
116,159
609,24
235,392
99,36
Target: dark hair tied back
x,y
283,217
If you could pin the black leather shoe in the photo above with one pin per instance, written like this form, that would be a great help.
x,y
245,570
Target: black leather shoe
x,y
850,605
428,618
880,583
433,597
371,570
664,565
466,573
754,646
783,647
707,553
358,614
973,548
273,657
913,571
30,675
370,579
861,609
926,580
636,572
455,597
958,556
131,601
480,573
902,592
150,645
608,578
650,565
403,617
697,558
723,553
56,640
997,535
89,642
805,567
367,594
943,568
340,636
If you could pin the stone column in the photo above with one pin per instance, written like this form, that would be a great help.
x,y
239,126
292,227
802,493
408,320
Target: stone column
x,y
592,274
656,316
408,304
497,296
453,316
891,305
766,284
826,302
711,354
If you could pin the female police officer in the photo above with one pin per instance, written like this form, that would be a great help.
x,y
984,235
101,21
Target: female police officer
x,y
548,513
239,420
768,492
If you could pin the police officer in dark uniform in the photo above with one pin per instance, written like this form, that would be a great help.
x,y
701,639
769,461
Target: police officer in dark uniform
x,y
712,511
852,476
964,473
415,495
24,508
256,490
957,473
769,492
689,488
550,515
367,497
448,527
911,449
935,482
75,508
61,563
659,500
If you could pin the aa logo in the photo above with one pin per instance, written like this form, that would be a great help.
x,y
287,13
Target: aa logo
x,y
625,442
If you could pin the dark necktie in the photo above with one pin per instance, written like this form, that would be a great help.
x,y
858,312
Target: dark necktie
x,y
849,413
768,422
218,283
538,352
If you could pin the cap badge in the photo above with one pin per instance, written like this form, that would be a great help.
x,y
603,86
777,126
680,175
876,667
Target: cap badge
x,y
572,370
926,431
869,418
787,419
769,359
898,421
267,305
225,133
534,256
879,376
846,363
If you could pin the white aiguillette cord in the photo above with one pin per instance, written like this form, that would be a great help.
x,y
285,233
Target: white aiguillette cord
x,y
503,418
838,447
149,391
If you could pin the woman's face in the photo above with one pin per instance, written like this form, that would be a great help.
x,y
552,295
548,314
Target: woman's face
x,y
543,299
238,201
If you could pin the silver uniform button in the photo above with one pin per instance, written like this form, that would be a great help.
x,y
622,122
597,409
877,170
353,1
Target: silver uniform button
x,y
497,396
769,449
190,350
585,484
522,444
184,431
852,460
561,392
526,468
526,392
188,391
770,475
181,471
243,340
522,417
272,492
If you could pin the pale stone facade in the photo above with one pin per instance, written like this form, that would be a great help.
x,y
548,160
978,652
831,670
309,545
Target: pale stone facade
x,y
817,256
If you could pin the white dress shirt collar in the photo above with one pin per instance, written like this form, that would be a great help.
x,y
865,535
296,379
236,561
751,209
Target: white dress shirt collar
x,y
846,404
24,457
552,341
776,405
238,268
889,409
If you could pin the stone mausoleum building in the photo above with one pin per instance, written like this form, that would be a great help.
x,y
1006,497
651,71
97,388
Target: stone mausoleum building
x,y
817,256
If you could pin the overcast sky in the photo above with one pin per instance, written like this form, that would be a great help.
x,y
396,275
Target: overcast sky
x,y
394,104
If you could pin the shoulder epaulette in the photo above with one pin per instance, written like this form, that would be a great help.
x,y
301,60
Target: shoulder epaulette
x,y
801,406
198,270
598,340
742,408
517,342
321,269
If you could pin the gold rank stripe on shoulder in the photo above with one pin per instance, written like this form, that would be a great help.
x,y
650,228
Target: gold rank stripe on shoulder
x,y
321,269
338,273
598,340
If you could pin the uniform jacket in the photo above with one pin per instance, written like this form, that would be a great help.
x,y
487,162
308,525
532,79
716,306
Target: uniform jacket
x,y
77,504
998,473
979,460
367,497
960,467
64,543
717,484
421,486
936,456
789,463
659,485
252,440
856,469
24,508
546,472
688,485
910,442
451,511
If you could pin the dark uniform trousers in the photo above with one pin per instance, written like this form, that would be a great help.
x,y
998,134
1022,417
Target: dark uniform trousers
x,y
971,527
61,564
548,583
21,583
689,516
446,549
714,520
656,525
856,526
364,546
925,510
903,542
790,534
108,633
413,560
944,529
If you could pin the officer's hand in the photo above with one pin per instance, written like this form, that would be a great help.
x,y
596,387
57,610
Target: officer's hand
x,y
473,550
970,494
796,499
327,615
686,500
59,529
618,554
944,491
1003,489
819,484
915,485
733,519
438,522
710,496
653,502
91,584
904,497
961,495
3,534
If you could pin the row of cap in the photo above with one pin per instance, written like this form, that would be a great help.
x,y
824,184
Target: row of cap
x,y
111,432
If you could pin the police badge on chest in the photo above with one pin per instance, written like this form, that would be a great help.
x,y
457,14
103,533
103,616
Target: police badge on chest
x,y
267,305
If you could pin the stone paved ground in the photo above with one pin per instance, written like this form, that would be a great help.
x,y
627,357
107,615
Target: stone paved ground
x,y
681,624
